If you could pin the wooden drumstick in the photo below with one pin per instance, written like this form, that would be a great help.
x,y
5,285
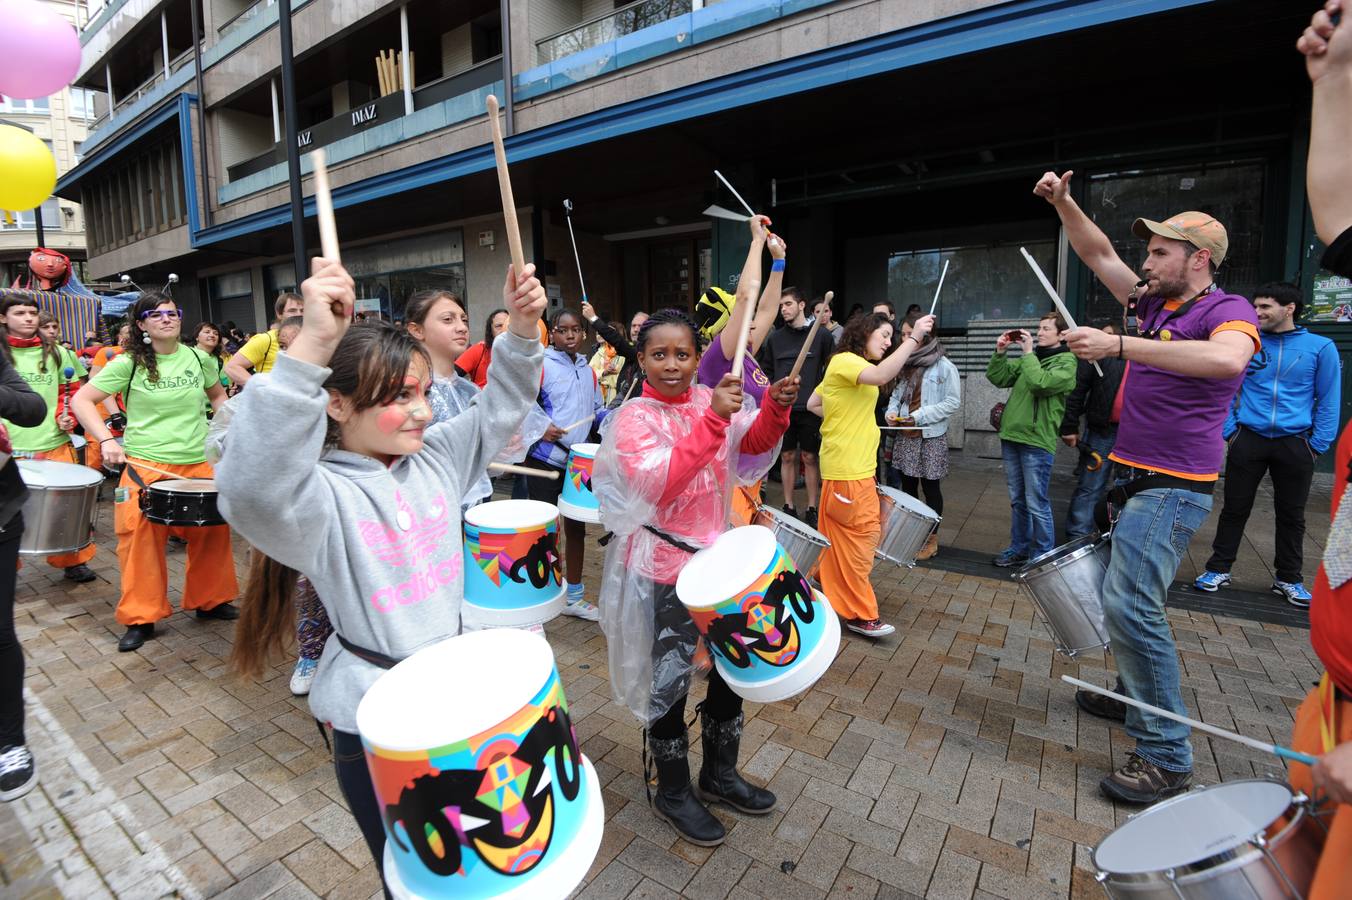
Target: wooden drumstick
x,y
1274,749
633,384
1051,292
807,344
505,188
522,470
148,467
744,335
582,421
328,229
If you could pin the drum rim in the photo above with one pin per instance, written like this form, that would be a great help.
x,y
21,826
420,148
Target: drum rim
x,y
801,529
892,495
1237,856
1089,544
73,469
164,486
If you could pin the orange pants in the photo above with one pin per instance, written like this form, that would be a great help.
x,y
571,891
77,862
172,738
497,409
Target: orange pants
x,y
66,454
744,503
850,519
210,579
1333,874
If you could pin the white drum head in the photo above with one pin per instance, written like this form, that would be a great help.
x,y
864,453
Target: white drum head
x,y
735,560
906,501
585,449
186,485
44,473
511,513
427,700
1191,827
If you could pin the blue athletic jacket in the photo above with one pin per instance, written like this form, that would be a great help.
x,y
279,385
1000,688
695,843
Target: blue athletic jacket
x,y
1293,386
568,392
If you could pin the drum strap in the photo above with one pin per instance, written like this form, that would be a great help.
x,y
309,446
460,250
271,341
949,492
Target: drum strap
x,y
679,544
374,657
1328,711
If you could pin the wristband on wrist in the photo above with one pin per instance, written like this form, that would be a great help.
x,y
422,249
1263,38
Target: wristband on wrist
x,y
777,266
107,439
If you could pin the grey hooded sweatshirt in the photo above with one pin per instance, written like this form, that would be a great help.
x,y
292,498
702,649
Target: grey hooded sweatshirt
x,y
381,545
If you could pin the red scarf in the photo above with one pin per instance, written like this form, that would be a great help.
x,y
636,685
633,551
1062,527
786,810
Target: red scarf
x,y
34,341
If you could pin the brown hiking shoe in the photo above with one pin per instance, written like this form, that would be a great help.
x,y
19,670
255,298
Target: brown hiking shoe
x,y
1101,706
1141,781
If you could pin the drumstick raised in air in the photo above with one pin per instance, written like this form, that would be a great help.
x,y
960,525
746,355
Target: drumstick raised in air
x,y
582,421
749,211
522,470
722,212
1274,749
807,344
1051,292
744,335
633,384
505,188
328,229
942,276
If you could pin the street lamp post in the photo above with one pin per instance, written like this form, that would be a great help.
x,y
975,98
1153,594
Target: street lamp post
x,y
292,151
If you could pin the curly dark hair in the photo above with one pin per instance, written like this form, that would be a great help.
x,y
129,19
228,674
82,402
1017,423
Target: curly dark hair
x,y
854,339
668,316
141,350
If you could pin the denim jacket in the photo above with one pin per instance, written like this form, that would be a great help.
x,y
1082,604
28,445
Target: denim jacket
x,y
940,399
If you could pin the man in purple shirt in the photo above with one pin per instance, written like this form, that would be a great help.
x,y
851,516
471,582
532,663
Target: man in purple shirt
x,y
1183,369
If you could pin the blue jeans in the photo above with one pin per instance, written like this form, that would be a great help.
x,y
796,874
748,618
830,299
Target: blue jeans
x,y
1149,540
1028,472
1089,490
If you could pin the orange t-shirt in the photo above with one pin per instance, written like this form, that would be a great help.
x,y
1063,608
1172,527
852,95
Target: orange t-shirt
x,y
1331,610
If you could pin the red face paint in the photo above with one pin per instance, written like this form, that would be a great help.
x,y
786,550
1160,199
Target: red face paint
x,y
391,419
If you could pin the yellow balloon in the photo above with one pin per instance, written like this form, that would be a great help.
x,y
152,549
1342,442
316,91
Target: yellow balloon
x,y
27,169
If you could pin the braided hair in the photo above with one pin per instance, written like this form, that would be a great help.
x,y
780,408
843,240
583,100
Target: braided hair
x,y
669,316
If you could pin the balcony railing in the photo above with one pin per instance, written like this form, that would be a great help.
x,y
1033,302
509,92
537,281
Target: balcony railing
x,y
625,20
145,87
245,17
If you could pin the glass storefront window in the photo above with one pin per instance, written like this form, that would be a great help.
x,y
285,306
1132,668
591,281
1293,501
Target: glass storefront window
x,y
983,282
393,288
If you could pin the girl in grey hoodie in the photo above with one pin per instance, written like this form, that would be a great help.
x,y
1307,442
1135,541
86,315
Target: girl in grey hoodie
x,y
374,517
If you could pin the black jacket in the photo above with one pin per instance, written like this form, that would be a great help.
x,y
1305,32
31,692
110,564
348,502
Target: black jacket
x,y
780,350
1093,396
20,405
620,341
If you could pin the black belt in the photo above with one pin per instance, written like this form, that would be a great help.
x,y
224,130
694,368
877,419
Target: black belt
x,y
1145,479
374,657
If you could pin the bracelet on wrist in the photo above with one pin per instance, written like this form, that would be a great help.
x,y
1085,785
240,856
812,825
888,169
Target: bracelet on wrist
x,y
107,439
1121,347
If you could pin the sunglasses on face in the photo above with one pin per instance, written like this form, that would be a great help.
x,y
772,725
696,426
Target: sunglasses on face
x,y
164,315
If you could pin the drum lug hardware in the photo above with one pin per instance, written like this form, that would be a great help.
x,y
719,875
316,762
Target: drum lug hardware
x,y
1100,877
1172,878
1261,842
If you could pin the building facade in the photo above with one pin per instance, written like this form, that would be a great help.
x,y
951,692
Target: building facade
x,y
883,137
61,121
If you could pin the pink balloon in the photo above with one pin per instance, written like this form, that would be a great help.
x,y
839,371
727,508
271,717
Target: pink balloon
x,y
39,50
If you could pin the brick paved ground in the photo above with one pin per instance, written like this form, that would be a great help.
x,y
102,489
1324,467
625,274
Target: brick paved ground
x,y
947,761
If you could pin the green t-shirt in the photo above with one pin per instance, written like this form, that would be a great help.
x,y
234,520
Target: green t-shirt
x,y
165,419
28,362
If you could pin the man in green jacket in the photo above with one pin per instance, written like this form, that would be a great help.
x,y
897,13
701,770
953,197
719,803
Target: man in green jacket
x,y
1041,378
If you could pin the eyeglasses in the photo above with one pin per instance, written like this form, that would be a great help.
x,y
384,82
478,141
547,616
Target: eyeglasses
x,y
164,315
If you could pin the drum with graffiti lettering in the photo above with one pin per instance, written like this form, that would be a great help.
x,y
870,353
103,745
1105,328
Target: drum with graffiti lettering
x,y
577,501
490,796
772,635
513,571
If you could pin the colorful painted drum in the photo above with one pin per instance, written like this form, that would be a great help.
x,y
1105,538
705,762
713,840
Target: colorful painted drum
x,y
513,571
483,791
772,636
577,501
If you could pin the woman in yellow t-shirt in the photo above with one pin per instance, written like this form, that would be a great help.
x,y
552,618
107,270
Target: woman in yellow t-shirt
x,y
848,514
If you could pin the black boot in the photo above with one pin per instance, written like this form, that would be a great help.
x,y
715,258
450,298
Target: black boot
x,y
675,801
719,780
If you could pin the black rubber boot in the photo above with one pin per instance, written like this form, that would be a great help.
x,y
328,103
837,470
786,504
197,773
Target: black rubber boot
x,y
675,801
719,780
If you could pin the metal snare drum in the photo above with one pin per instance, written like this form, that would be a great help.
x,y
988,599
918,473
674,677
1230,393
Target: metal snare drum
x,y
79,443
62,507
801,541
907,524
1213,843
182,501
1066,585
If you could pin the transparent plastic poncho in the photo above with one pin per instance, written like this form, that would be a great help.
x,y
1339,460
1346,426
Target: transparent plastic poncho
x,y
649,671
449,397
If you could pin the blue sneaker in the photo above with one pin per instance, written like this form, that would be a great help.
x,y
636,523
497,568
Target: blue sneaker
x,y
1212,581
1294,592
1009,558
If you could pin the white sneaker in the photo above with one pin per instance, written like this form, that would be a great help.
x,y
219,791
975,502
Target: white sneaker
x,y
582,609
303,676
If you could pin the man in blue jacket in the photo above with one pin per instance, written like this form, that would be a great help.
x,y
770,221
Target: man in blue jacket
x,y
1285,415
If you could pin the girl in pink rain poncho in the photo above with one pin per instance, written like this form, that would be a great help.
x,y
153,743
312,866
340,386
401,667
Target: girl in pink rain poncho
x,y
662,478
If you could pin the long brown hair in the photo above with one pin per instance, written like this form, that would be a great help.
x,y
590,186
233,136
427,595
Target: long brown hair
x,y
267,617
143,351
368,367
